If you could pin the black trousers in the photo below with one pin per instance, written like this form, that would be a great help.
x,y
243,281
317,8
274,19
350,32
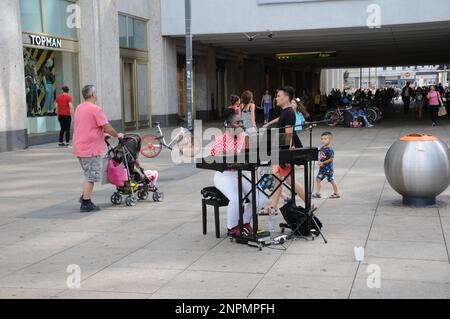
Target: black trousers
x,y
65,122
407,103
434,110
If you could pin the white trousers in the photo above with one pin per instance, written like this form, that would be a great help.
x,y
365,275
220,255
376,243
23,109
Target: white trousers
x,y
227,183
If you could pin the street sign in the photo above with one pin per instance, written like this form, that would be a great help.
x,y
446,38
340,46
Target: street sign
x,y
287,57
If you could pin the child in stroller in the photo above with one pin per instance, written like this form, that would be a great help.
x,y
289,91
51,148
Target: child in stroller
x,y
140,183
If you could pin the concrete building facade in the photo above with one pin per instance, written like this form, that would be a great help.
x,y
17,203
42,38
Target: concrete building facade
x,y
379,77
51,43
134,52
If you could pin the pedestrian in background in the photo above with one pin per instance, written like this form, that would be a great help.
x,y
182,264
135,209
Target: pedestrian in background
x,y
266,103
420,100
407,93
235,103
447,98
317,101
64,110
435,101
248,111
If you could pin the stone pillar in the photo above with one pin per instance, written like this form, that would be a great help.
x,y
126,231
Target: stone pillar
x,y
201,88
100,54
163,71
13,108
232,79
332,79
212,81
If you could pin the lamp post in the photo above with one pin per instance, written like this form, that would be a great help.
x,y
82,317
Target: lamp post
x,y
360,78
189,67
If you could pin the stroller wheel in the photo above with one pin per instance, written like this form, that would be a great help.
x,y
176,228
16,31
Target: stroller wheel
x,y
130,201
158,197
116,199
143,195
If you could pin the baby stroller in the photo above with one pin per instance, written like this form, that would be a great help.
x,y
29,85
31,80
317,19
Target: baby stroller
x,y
139,185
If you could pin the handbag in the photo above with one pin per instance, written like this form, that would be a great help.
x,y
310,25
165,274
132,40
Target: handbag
x,y
442,111
356,123
117,173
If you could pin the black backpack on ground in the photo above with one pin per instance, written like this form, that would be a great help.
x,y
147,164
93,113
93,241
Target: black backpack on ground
x,y
295,216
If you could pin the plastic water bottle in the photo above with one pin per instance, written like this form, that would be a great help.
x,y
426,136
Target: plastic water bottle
x,y
272,221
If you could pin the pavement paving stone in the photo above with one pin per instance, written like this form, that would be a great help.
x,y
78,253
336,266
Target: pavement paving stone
x,y
157,250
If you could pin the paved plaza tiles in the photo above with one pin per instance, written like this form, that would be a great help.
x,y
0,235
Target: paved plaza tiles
x,y
157,250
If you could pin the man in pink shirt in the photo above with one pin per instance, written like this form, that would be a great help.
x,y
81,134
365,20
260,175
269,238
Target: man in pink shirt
x,y
89,143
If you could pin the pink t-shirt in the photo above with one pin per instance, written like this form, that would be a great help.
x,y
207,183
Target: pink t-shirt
x,y
433,98
88,136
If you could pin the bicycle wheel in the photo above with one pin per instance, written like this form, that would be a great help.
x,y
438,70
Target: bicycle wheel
x,y
189,146
379,113
371,115
151,146
333,118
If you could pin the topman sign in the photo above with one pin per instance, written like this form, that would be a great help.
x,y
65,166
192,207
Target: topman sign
x,y
41,40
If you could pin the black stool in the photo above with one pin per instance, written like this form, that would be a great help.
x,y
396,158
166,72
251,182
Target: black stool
x,y
213,197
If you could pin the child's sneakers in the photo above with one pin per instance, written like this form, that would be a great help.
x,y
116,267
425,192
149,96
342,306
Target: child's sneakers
x,y
317,195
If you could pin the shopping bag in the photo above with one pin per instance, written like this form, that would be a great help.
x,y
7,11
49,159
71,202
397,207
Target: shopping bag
x,y
117,173
442,111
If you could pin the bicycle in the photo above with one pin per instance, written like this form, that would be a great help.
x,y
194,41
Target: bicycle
x,y
335,116
152,145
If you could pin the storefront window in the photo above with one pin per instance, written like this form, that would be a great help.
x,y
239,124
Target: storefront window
x,y
123,31
30,12
46,72
130,33
47,16
133,33
139,39
55,18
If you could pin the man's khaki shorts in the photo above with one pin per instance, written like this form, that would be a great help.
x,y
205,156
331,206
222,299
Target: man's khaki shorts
x,y
92,167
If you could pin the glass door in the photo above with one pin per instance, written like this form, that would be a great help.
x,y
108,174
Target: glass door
x,y
135,95
129,116
143,95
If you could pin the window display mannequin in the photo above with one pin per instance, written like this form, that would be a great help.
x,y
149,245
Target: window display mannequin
x,y
32,87
49,80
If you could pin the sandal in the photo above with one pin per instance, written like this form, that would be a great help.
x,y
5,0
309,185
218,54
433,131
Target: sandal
x,y
334,195
317,195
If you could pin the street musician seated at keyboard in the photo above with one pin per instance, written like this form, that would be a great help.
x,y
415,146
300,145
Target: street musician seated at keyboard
x,y
233,141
